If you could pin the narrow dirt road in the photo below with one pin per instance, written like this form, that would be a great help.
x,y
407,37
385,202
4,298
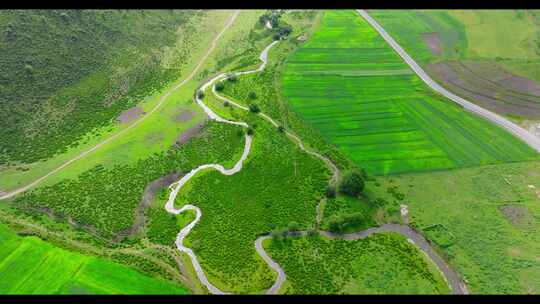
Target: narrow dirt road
x,y
521,133
136,122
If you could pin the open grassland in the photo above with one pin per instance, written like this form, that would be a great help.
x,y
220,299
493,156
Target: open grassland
x,y
350,85
29,265
484,220
380,264
491,57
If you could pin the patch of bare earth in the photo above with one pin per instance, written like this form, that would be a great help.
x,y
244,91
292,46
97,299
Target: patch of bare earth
x,y
184,116
518,215
189,133
148,196
433,42
130,114
487,85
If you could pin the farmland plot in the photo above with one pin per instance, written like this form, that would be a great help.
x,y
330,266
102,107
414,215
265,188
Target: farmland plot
x,y
29,265
350,85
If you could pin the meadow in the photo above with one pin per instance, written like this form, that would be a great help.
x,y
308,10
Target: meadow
x,y
380,264
349,84
483,220
29,265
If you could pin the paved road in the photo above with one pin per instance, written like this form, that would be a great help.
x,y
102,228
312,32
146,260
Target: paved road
x,y
521,133
135,123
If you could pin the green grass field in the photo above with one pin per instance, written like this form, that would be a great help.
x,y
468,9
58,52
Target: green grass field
x,y
29,265
350,85
484,220
380,264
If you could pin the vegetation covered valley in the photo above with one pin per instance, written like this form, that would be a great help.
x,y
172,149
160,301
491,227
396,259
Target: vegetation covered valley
x,y
250,152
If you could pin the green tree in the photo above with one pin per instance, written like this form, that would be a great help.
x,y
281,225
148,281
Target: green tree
x,y
352,183
293,226
330,191
220,86
254,108
200,94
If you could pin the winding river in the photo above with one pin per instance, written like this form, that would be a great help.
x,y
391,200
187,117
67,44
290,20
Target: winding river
x,y
452,278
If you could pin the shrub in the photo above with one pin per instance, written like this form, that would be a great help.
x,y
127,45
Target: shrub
x,y
334,223
254,108
281,129
219,86
200,94
225,103
232,78
252,95
293,226
250,131
352,183
330,191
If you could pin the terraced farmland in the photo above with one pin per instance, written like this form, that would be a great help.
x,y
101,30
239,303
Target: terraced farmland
x,y
31,266
351,86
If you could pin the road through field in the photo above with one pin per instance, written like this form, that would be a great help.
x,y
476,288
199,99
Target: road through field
x,y
521,133
451,277
6,195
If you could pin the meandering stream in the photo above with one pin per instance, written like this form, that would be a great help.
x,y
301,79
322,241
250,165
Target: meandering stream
x,y
452,278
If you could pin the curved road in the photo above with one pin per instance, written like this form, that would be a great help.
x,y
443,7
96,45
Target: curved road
x,y
521,133
135,123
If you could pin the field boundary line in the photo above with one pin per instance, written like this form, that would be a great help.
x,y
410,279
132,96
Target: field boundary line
x,y
513,128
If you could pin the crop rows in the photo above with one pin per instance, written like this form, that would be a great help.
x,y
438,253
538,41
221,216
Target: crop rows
x,y
350,85
31,266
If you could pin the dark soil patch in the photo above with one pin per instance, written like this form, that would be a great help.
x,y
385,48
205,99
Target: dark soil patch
x,y
186,115
433,42
148,196
130,114
482,85
189,133
518,215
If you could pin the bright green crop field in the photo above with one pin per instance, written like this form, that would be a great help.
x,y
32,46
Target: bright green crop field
x,y
29,265
351,86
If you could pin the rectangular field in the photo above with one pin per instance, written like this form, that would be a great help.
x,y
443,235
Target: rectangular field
x,y
29,265
350,85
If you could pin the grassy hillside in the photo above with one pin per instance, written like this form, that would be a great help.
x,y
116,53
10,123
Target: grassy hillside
x,y
66,73
29,265
350,85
